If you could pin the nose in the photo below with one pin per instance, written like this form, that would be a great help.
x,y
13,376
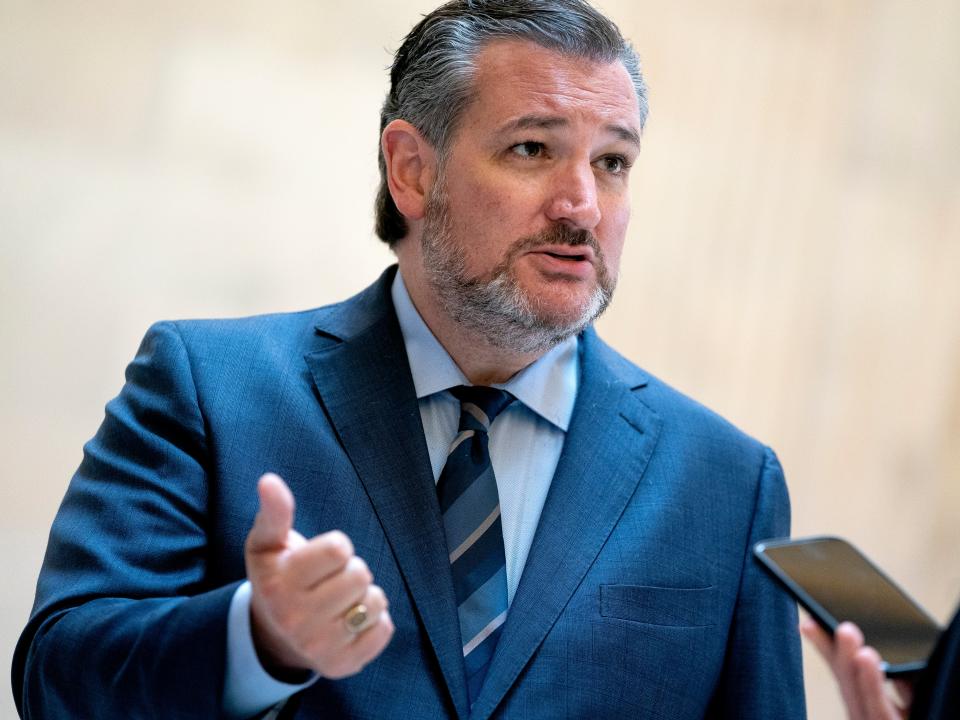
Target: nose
x,y
573,198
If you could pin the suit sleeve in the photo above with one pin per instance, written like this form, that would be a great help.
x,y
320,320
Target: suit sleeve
x,y
125,622
763,674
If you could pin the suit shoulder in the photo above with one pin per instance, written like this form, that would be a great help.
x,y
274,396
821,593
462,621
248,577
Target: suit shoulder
x,y
694,417
291,330
273,328
276,340
269,323
678,409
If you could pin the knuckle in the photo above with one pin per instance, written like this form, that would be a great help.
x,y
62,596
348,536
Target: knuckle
x,y
382,629
355,577
386,630
376,598
379,639
335,553
339,539
358,568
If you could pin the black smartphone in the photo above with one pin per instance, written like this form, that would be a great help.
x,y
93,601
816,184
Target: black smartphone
x,y
835,582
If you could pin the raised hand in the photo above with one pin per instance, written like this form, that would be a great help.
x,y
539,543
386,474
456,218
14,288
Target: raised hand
x,y
313,602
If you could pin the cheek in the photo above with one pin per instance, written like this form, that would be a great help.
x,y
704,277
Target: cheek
x,y
498,201
613,235
490,214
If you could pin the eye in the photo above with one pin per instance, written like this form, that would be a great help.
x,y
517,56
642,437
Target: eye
x,y
528,149
614,164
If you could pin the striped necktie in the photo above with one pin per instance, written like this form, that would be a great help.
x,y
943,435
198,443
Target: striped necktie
x,y
470,505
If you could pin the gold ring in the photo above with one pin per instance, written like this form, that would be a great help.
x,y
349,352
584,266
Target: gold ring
x,y
356,618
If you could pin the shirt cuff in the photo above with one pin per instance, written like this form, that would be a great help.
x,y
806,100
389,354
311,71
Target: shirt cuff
x,y
248,688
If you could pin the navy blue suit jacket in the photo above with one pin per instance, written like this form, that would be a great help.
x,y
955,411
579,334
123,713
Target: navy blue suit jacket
x,y
639,598
936,695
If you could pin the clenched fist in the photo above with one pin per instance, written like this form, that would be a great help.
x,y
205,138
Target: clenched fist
x,y
305,594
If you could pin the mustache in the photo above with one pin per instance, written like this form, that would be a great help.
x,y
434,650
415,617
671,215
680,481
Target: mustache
x,y
560,234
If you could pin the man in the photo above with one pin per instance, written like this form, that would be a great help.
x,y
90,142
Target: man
x,y
570,542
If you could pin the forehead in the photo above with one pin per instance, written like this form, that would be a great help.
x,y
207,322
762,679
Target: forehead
x,y
515,78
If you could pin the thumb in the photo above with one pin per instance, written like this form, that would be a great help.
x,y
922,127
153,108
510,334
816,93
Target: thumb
x,y
274,521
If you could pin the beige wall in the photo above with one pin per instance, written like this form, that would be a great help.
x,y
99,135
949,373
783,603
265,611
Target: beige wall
x,y
792,262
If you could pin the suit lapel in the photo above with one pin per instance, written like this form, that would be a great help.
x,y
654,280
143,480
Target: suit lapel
x,y
364,382
611,438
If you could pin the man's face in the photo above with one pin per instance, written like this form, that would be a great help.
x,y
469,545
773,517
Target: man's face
x,y
524,229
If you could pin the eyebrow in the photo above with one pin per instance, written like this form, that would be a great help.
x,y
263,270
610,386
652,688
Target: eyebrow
x,y
546,122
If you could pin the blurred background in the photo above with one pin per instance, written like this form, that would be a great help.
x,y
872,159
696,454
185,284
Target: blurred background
x,y
793,259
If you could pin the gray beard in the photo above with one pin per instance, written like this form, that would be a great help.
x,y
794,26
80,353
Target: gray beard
x,y
494,306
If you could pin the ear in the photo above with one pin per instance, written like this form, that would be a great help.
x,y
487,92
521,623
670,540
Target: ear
x,y
411,167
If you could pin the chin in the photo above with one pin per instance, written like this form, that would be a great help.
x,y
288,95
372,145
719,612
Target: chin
x,y
566,318
563,304
569,304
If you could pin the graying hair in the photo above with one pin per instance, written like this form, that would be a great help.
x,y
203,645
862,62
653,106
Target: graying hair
x,y
431,81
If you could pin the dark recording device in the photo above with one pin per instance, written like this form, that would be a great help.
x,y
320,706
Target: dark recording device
x,y
835,582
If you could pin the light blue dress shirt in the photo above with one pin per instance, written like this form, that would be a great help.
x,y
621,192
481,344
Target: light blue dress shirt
x,y
525,444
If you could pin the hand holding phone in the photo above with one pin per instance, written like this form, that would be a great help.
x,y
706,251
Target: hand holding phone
x,y
835,582
857,670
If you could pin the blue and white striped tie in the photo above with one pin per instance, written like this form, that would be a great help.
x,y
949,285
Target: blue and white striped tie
x,y
470,505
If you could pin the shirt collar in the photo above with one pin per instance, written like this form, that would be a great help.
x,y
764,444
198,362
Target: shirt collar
x,y
547,386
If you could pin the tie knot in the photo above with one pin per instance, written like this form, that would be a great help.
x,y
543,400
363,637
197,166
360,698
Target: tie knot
x,y
480,405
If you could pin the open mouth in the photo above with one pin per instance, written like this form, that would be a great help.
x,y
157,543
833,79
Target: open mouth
x,y
567,256
566,262
567,253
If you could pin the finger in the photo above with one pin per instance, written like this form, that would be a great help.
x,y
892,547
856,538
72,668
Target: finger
x,y
905,692
874,701
345,652
374,604
313,620
344,589
319,612
274,520
373,641
819,637
847,641
320,558
364,649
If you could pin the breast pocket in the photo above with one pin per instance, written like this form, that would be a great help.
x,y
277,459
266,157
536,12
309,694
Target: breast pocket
x,y
666,606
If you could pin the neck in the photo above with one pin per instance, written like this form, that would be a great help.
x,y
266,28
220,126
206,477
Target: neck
x,y
487,365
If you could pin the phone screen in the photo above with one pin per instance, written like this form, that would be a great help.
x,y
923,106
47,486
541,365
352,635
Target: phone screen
x,y
835,582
